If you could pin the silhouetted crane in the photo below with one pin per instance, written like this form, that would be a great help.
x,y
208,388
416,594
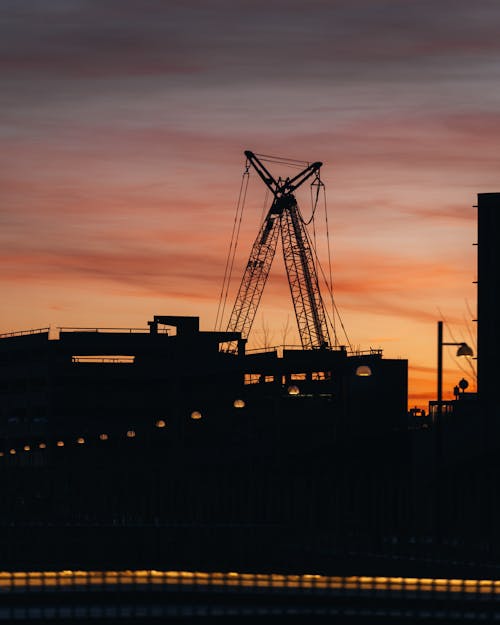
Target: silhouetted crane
x,y
283,217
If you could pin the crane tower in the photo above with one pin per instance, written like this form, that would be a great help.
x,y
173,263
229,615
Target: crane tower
x,y
283,217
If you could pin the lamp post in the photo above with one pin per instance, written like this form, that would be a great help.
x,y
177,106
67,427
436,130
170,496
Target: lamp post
x,y
463,350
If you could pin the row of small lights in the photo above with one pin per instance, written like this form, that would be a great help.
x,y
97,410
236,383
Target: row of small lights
x,y
161,423
195,416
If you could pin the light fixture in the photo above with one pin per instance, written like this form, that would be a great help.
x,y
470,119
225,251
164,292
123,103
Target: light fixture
x,y
363,371
293,390
239,403
12,451
465,350
131,434
195,415
103,437
42,445
60,443
160,423
80,440
26,448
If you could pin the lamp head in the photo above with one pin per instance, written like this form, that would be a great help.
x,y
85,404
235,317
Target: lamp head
x,y
363,371
465,350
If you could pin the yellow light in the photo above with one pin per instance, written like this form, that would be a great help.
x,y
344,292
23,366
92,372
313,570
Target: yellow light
x,y
26,448
80,440
239,403
42,445
293,390
160,423
60,443
1,454
103,437
130,434
363,371
12,451
195,415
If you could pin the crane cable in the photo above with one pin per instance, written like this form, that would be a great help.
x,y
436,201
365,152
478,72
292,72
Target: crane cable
x,y
232,247
328,282
330,273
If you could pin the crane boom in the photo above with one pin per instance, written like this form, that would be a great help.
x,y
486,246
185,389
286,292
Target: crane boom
x,y
283,217
255,275
303,280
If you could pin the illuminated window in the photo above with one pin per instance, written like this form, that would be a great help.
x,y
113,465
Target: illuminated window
x,y
269,378
321,375
160,423
103,437
117,359
298,376
239,403
252,378
131,434
195,415
80,440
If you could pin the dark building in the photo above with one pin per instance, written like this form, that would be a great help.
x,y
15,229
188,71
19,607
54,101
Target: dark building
x,y
93,381
201,457
488,331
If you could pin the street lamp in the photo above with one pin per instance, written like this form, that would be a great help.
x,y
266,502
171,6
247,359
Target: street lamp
x,y
463,350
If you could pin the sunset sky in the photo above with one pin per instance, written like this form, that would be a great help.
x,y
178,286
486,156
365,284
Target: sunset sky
x,y
123,126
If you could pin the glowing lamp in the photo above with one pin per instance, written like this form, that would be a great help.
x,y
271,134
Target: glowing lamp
x,y
238,403
12,451
293,390
26,448
195,415
60,443
42,445
80,440
130,434
103,437
363,371
160,423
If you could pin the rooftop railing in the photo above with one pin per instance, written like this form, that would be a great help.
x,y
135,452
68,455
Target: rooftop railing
x,y
24,332
281,348
109,330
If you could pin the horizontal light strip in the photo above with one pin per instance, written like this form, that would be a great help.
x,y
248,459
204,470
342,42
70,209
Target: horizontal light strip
x,y
56,579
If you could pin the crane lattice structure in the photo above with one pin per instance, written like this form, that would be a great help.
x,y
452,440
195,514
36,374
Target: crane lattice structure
x,y
283,217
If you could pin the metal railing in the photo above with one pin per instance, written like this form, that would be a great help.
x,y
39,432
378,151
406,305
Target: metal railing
x,y
110,330
24,332
294,347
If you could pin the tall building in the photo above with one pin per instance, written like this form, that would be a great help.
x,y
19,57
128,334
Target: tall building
x,y
488,309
